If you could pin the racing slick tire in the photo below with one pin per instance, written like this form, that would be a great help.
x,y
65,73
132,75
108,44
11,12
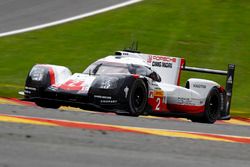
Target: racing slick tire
x,y
212,107
47,104
137,98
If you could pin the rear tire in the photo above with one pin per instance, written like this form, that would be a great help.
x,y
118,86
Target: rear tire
x,y
212,107
47,104
137,98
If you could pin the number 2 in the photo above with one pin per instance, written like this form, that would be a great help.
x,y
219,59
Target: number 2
x,y
158,101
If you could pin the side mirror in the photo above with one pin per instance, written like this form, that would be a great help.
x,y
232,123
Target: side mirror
x,y
154,76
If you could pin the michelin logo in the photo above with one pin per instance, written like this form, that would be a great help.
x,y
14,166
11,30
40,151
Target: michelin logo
x,y
199,86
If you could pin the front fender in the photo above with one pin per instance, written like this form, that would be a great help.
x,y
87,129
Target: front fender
x,y
42,76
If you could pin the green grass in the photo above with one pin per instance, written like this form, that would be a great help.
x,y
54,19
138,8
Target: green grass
x,y
208,33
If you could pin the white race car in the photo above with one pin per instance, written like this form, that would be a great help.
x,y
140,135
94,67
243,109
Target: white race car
x,y
135,83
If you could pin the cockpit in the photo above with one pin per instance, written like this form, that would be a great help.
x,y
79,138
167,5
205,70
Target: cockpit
x,y
103,68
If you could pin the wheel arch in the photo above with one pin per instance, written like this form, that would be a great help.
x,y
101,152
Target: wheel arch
x,y
212,108
42,76
138,84
201,86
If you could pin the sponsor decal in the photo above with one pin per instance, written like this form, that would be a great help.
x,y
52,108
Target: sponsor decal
x,y
164,58
155,85
183,100
108,101
73,85
105,99
162,64
152,58
102,97
167,65
106,84
230,80
158,104
156,63
158,93
151,94
124,53
199,86
157,100
126,91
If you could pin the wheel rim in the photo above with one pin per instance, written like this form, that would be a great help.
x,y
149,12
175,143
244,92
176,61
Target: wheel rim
x,y
213,107
139,96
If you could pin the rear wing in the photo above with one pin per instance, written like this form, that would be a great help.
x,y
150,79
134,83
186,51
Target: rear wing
x,y
229,84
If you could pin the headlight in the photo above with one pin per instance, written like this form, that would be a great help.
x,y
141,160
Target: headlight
x,y
37,74
106,82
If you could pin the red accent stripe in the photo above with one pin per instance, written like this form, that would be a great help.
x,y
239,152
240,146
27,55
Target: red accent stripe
x,y
186,108
136,76
92,126
242,119
231,138
52,76
25,103
181,65
80,125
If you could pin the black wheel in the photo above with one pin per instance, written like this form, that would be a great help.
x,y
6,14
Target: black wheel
x,y
212,107
47,104
137,98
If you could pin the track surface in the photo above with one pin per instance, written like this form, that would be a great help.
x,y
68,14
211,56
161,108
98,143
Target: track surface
x,y
19,14
37,145
29,144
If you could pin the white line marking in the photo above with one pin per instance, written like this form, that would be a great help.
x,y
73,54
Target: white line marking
x,y
70,19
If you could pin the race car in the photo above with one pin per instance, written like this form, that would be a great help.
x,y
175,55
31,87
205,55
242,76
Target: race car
x,y
134,83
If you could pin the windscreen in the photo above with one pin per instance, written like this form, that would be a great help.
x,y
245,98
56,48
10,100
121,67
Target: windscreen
x,y
100,68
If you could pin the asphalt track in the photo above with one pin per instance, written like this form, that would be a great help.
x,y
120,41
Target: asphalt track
x,y
21,14
27,143
33,136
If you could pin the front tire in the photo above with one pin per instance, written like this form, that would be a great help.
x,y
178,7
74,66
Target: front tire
x,y
137,98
